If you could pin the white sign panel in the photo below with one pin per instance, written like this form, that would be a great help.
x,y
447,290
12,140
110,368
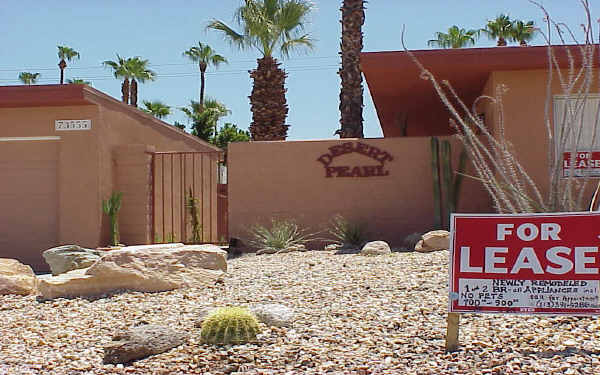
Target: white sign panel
x,y
72,125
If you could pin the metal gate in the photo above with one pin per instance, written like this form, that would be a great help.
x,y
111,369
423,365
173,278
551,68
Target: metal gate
x,y
184,197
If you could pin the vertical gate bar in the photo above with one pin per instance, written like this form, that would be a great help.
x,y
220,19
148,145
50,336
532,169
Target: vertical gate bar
x,y
210,210
162,158
181,181
194,175
202,193
152,192
172,208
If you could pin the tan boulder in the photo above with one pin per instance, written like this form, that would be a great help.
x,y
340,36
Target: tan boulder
x,y
433,241
16,278
376,248
143,268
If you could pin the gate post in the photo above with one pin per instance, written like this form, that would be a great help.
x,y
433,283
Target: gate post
x,y
134,179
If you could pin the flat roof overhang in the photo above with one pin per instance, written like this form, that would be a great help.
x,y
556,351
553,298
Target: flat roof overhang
x,y
401,96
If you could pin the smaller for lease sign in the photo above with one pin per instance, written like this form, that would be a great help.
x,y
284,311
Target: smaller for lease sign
x,y
534,263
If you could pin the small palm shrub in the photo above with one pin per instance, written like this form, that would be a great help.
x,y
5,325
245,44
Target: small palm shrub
x,y
229,325
346,232
111,208
281,235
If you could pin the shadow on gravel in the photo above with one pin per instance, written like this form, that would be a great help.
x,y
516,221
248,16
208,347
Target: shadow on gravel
x,y
561,353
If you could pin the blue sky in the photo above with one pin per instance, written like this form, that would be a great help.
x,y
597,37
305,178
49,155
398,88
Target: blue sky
x,y
160,30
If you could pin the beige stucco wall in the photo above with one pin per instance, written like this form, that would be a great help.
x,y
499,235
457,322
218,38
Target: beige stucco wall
x,y
86,169
285,180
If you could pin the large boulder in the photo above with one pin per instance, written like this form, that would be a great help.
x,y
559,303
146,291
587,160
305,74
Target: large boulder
x,y
70,257
16,278
141,342
376,248
152,268
434,241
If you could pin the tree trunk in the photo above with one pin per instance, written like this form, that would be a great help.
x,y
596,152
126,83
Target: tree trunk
x,y
351,95
134,92
62,65
203,67
267,101
125,91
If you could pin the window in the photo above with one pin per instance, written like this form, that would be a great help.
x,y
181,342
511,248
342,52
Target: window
x,y
577,129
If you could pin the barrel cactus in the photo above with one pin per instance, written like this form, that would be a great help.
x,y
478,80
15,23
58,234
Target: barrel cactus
x,y
229,325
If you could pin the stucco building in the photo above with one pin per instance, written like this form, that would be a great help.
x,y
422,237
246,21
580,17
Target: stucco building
x,y
65,148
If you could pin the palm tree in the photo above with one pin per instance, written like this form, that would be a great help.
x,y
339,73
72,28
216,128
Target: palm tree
x,y
205,56
138,68
78,81
29,78
500,28
157,108
121,69
69,54
351,93
455,38
205,118
522,32
270,26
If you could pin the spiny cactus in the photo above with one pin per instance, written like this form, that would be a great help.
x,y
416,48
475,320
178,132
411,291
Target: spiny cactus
x,y
229,325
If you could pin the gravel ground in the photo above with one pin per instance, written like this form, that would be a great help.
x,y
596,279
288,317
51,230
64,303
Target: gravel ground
x,y
355,315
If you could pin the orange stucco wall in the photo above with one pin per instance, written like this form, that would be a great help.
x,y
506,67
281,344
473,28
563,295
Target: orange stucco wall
x,y
86,171
285,180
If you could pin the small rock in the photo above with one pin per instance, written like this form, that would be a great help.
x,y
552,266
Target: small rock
x,y
274,314
70,257
141,342
376,248
433,241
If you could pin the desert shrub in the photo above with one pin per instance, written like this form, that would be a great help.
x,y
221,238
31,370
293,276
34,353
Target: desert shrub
x,y
229,325
111,208
347,232
281,235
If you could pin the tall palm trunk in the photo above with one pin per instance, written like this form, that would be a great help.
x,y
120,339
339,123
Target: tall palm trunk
x,y
351,95
267,101
62,65
134,92
125,91
203,67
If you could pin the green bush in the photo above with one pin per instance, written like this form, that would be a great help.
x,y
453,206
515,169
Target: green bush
x,y
229,325
281,235
346,232
111,208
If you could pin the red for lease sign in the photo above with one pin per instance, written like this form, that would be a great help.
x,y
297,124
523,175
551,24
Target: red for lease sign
x,y
533,263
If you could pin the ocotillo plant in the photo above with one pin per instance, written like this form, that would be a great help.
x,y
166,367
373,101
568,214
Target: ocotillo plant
x,y
446,187
111,208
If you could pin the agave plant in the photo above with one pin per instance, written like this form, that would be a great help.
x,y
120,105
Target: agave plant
x,y
281,235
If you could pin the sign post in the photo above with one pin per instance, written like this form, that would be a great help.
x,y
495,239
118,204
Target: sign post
x,y
523,264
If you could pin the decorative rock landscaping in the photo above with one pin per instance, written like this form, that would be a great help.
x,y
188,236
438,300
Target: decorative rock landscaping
x,y
70,257
151,268
16,278
353,315
376,248
433,241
